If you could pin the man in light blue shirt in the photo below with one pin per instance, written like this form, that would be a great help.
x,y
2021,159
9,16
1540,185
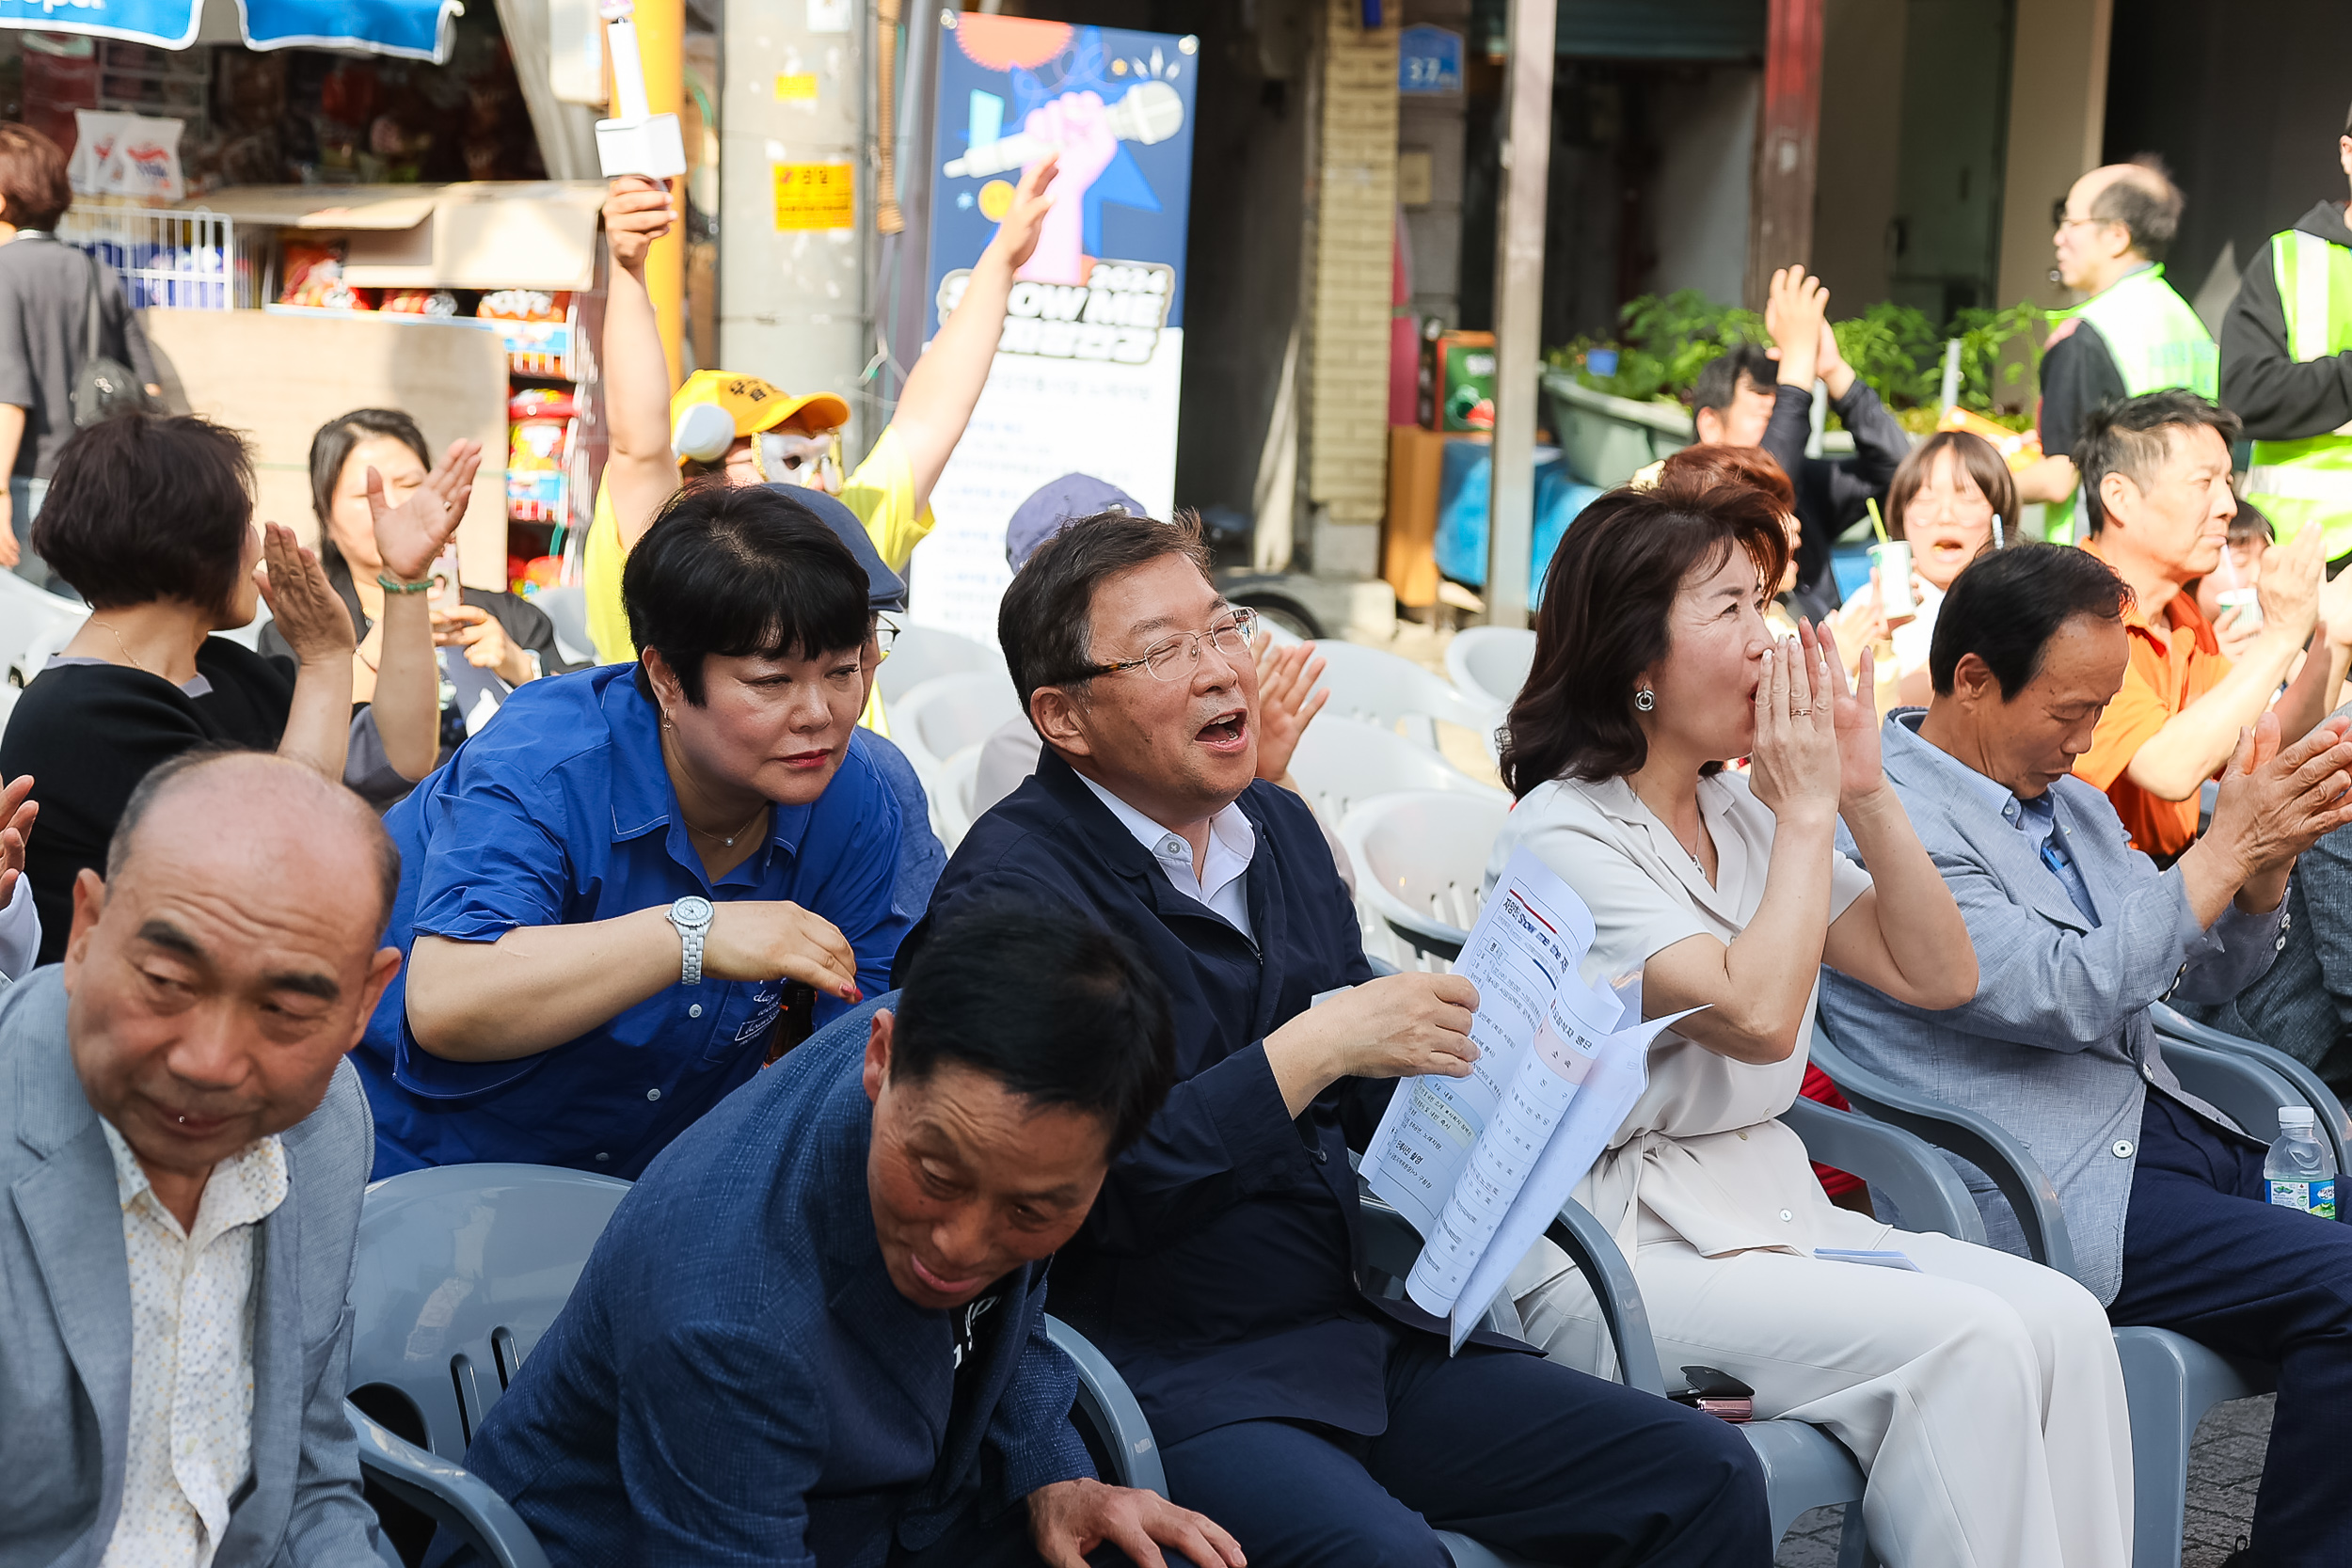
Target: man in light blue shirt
x,y
2076,935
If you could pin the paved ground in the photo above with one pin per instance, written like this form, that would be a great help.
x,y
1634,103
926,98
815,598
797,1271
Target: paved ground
x,y
2223,1468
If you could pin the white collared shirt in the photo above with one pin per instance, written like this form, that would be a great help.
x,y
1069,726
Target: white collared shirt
x,y
1217,881
191,1437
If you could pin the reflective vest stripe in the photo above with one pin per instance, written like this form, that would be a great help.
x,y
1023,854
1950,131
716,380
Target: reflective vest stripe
x,y
2310,480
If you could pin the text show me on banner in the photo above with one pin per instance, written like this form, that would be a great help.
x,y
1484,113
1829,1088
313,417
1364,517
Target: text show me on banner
x,y
1087,372
1480,1165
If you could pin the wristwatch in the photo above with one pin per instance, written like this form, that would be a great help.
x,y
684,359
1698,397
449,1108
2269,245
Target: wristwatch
x,y
691,916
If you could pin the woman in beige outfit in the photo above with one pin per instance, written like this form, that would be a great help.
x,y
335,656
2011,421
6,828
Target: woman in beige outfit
x,y
1981,1392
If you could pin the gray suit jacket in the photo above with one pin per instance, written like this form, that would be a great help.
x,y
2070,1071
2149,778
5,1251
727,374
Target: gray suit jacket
x,y
2057,1047
65,1321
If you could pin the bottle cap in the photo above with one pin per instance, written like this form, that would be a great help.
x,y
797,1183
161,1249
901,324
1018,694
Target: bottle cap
x,y
2296,1116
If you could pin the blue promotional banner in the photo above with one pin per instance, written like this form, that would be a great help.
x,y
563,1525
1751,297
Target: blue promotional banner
x,y
412,29
1429,61
1088,369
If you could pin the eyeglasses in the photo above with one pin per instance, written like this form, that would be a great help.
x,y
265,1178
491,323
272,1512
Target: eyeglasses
x,y
886,635
2059,220
1173,659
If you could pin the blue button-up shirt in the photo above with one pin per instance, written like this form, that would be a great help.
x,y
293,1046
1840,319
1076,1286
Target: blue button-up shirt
x,y
2037,819
560,813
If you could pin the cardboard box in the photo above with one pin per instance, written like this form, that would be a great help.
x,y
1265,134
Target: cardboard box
x,y
278,377
1457,381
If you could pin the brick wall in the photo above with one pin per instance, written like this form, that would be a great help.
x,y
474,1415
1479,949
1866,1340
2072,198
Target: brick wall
x,y
1355,227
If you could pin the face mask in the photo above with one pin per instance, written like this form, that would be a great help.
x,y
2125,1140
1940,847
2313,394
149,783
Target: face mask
x,y
785,458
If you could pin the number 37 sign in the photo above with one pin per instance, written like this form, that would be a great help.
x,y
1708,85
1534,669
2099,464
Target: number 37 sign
x,y
1429,61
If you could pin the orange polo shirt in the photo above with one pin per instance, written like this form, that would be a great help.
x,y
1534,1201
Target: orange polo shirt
x,y
2171,666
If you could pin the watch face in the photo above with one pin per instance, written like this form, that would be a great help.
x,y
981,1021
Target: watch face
x,y
692,911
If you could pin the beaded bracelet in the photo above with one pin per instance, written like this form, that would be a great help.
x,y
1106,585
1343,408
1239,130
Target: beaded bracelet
x,y
393,585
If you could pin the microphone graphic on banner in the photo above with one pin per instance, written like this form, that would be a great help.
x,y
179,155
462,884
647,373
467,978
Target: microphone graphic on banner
x,y
1151,112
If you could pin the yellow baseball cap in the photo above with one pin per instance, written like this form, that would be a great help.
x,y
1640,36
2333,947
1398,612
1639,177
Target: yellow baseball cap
x,y
756,406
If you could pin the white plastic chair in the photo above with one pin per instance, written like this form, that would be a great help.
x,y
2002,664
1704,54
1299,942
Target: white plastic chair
x,y
1421,861
952,807
923,654
30,615
567,608
1381,688
1489,664
948,713
1341,760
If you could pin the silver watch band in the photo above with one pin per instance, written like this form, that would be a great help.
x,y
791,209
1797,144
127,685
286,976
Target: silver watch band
x,y
691,964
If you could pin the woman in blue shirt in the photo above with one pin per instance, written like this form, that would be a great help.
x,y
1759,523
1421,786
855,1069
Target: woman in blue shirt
x,y
606,893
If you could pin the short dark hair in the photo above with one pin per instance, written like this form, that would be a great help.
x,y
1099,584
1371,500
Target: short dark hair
x,y
164,777
2251,523
1977,457
2004,606
1046,620
737,571
149,506
1607,596
332,447
2132,436
1720,380
2146,202
1057,1009
32,178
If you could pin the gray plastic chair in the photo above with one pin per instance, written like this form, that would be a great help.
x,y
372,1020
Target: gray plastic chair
x,y
460,1270
2174,1027
445,1492
2170,1381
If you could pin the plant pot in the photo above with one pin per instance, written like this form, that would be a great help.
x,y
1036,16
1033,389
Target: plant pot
x,y
1609,439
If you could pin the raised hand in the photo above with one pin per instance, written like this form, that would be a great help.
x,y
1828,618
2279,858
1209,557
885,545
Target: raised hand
x,y
1796,310
409,535
637,211
2276,801
1860,773
310,615
1794,768
1015,238
1288,700
2288,590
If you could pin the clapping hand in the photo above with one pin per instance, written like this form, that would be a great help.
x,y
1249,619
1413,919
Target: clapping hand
x,y
2288,590
1794,768
1860,773
409,535
17,811
2276,801
1288,700
309,615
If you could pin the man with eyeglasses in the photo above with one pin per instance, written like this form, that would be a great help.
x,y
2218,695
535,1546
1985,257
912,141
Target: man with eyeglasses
x,y
2133,333
1223,1269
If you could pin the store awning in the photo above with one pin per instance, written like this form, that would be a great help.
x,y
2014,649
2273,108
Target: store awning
x,y
482,234
412,29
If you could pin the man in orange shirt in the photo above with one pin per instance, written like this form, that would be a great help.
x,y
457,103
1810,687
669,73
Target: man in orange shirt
x,y
2155,488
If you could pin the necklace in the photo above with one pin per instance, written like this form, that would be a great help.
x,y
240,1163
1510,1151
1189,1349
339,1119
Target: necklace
x,y
124,646
727,839
1688,850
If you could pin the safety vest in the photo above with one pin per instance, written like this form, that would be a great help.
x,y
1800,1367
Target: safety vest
x,y
2156,342
2297,482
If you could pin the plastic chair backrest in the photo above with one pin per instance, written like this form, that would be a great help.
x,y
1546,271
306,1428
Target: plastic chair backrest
x,y
460,1268
41,649
926,652
1380,689
2334,1125
1489,664
944,715
1341,761
566,609
2246,1092
1979,1140
1420,861
953,805
27,611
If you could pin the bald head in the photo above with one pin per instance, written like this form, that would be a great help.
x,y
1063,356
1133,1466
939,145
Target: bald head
x,y
228,960
264,808
2140,196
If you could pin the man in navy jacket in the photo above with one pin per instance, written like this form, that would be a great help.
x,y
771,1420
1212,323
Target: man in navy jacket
x,y
812,1336
1222,1267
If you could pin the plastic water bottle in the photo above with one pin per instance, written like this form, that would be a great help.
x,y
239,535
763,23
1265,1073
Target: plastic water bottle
x,y
2299,1172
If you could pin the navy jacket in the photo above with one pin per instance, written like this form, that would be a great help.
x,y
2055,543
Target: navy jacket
x,y
735,1379
1220,1268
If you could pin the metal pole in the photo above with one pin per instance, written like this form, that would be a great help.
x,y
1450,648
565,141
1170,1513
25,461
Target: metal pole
x,y
1519,308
